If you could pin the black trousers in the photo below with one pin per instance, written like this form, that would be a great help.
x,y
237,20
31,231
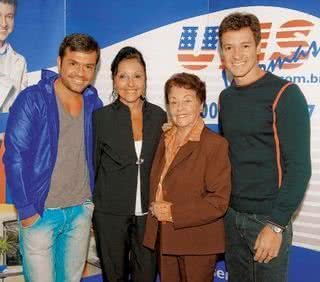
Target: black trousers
x,y
119,245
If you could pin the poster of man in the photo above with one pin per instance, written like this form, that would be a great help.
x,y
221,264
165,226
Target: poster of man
x,y
13,74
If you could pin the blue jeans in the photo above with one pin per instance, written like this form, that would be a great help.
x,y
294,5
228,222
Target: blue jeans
x,y
54,248
242,230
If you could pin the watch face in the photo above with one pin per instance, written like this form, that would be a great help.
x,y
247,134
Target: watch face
x,y
276,229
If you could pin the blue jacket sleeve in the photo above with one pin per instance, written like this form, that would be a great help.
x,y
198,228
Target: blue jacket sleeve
x,y
18,154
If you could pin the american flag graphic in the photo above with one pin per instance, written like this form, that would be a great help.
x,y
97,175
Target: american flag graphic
x,y
187,43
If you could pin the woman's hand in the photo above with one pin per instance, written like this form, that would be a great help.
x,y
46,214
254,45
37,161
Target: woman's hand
x,y
161,210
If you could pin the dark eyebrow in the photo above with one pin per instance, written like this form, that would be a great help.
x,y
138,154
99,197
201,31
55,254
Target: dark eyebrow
x,y
72,60
75,61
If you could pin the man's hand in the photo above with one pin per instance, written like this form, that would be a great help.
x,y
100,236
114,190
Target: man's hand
x,y
267,245
1,138
27,222
161,210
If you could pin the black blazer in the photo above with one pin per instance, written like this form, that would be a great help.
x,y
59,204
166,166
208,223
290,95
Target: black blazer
x,y
115,159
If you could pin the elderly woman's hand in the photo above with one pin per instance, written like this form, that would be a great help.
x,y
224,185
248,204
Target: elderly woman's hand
x,y
161,210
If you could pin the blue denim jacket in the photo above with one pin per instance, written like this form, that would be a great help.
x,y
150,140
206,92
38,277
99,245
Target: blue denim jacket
x,y
31,142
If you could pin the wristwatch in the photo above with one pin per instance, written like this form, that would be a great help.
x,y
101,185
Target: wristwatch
x,y
275,229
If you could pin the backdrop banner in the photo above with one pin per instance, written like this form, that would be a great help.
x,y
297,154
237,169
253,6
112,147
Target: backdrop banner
x,y
181,35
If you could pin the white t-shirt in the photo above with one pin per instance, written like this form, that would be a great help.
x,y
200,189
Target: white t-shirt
x,y
138,209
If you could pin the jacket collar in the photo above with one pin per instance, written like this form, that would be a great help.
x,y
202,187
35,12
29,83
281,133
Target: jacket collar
x,y
190,144
184,153
194,135
117,105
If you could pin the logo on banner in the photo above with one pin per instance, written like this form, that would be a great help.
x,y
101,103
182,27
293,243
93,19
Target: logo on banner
x,y
187,45
290,42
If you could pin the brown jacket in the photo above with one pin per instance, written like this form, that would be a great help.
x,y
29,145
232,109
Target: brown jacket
x,y
198,185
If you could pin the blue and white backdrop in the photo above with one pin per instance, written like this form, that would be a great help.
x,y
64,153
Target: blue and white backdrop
x,y
181,35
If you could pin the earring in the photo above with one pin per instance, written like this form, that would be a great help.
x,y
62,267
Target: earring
x,y
114,94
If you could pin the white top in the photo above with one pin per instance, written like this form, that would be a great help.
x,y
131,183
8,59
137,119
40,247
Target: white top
x,y
138,209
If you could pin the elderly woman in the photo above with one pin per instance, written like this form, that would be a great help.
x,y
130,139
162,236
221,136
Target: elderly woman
x,y
189,188
126,135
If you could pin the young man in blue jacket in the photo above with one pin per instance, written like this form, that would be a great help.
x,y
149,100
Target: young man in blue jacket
x,y
48,162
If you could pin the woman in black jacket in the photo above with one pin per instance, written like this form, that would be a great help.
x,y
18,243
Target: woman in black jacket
x,y
126,135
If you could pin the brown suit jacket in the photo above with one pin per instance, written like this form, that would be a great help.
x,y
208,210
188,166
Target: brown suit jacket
x,y
198,185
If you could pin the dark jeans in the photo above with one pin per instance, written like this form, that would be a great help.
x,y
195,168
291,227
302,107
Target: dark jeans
x,y
242,230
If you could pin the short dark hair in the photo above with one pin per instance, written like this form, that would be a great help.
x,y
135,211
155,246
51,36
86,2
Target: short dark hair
x,y
237,21
187,81
79,42
10,2
126,53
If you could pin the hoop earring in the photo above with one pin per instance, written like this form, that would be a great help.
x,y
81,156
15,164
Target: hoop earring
x,y
114,94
